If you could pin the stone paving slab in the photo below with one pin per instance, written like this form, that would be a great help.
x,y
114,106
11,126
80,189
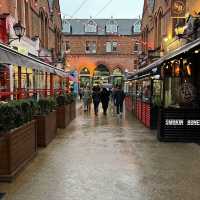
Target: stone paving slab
x,y
108,158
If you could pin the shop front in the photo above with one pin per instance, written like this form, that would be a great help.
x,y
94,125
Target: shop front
x,y
180,112
166,94
23,76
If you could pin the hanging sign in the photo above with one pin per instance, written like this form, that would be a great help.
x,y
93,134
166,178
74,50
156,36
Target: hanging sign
x,y
178,8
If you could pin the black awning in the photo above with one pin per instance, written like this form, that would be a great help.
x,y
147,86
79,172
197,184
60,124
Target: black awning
x,y
187,47
11,57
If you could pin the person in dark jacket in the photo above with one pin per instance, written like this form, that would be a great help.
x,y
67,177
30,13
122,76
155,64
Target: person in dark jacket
x,y
119,99
105,99
96,97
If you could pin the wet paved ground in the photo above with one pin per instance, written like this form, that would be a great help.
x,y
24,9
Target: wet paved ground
x,y
109,159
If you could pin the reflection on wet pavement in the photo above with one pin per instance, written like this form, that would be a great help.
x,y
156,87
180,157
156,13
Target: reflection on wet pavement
x,y
107,158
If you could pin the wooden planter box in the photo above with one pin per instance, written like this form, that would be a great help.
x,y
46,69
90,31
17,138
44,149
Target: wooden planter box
x,y
17,148
46,128
73,110
63,116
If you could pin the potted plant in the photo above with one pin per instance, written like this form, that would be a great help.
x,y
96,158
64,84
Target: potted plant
x,y
62,111
46,121
17,137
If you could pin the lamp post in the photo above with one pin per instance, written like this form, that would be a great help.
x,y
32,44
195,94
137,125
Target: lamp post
x,y
19,32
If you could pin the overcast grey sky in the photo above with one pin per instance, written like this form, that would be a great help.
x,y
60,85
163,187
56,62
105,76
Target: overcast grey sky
x,y
94,8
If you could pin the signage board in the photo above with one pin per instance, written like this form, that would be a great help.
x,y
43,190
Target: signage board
x,y
182,122
178,8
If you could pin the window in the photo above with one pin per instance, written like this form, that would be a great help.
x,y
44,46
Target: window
x,y
137,27
27,22
135,63
136,47
111,47
179,89
34,3
66,27
90,47
112,27
159,40
91,27
146,90
19,10
67,46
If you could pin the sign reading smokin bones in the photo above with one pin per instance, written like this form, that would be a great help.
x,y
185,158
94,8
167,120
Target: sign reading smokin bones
x,y
180,122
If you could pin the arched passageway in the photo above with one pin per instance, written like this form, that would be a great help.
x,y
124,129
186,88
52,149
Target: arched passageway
x,y
84,77
101,75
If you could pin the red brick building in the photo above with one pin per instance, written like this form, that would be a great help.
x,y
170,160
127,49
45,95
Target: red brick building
x,y
42,22
101,49
159,21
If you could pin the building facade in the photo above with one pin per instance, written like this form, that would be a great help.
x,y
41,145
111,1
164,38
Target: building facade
x,y
101,50
41,41
42,22
159,21
165,91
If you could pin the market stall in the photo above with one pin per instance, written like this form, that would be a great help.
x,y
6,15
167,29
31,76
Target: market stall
x,y
168,94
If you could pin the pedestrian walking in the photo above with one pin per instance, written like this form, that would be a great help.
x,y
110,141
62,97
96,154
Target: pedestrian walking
x,y
112,101
80,93
119,96
86,97
96,98
105,95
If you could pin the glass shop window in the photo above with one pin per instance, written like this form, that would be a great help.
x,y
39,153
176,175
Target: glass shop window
x,y
179,89
134,89
157,92
91,47
139,90
146,90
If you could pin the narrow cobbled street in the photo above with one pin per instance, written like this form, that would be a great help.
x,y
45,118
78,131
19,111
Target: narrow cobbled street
x,y
106,158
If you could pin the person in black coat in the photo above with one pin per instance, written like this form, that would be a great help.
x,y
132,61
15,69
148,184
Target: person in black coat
x,y
119,96
105,100
96,97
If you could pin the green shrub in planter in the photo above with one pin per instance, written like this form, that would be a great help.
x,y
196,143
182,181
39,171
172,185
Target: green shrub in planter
x,y
46,105
69,98
15,113
61,100
52,104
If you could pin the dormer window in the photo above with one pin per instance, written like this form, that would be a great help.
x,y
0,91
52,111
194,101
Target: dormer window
x,y
91,27
67,27
111,27
137,27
